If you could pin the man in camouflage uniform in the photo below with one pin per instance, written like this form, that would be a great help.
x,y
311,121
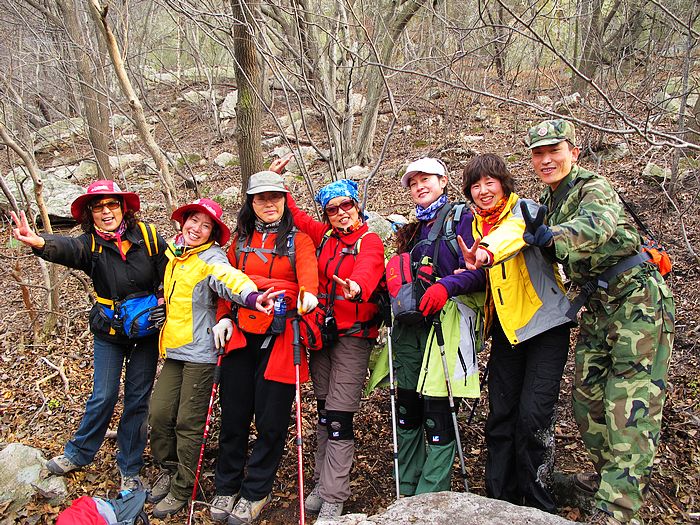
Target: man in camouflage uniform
x,y
626,330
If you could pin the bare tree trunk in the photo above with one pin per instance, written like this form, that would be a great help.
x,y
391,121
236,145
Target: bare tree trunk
x,y
168,188
590,44
94,99
395,23
249,81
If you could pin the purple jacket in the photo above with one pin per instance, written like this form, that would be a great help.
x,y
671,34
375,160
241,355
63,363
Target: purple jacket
x,y
456,284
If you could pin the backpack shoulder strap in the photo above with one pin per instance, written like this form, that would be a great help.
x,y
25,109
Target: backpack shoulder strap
x,y
148,231
450,232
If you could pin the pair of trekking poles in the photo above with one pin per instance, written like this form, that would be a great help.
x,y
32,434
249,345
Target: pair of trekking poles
x,y
437,328
296,345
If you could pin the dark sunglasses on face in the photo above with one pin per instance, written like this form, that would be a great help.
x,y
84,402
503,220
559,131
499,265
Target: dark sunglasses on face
x,y
345,206
99,206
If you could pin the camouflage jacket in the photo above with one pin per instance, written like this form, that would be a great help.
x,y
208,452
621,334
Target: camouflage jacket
x,y
591,230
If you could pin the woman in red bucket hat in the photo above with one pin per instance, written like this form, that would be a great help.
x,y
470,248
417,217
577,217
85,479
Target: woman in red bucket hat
x,y
124,257
197,274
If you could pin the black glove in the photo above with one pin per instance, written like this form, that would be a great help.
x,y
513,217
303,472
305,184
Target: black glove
x,y
536,232
157,316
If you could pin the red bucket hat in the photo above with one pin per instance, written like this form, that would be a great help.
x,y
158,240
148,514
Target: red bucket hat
x,y
209,207
104,187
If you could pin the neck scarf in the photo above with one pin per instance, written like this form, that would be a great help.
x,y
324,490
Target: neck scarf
x,y
265,227
352,228
429,213
115,236
491,215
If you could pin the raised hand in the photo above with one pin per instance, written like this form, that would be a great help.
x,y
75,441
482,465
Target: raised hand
x,y
24,233
265,302
474,257
351,290
536,232
278,165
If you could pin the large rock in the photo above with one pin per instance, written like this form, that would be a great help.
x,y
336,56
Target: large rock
x,y
228,106
20,477
54,135
450,508
58,193
379,225
229,198
225,159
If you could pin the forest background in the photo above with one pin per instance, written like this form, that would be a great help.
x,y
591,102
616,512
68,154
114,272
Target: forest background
x,y
152,93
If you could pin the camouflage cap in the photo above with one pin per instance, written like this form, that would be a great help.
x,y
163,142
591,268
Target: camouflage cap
x,y
550,132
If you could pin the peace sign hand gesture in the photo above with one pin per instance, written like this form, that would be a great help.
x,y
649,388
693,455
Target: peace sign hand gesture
x,y
536,232
24,233
474,257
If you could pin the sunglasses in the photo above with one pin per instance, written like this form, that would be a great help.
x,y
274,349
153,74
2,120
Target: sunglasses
x,y
100,206
345,206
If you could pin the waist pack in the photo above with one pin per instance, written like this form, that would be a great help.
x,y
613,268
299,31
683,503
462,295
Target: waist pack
x,y
130,317
406,283
125,509
253,321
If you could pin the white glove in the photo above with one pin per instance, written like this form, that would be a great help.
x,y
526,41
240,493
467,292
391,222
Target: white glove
x,y
309,302
223,330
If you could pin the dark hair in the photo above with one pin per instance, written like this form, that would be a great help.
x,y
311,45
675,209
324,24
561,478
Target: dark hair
x,y
405,237
246,224
87,223
487,165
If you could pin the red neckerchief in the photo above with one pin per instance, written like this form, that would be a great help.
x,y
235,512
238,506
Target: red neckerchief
x,y
492,215
115,236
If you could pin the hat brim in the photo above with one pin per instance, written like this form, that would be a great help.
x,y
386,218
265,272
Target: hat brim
x,y
546,142
130,200
407,176
179,216
263,189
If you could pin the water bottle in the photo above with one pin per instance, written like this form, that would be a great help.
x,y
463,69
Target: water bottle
x,y
280,315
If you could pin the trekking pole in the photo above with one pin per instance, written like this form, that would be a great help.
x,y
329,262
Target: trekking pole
x,y
437,326
214,388
299,439
392,395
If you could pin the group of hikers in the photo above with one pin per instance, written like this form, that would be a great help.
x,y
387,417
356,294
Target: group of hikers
x,y
493,269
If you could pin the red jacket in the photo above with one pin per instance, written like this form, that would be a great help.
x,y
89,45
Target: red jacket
x,y
277,272
366,269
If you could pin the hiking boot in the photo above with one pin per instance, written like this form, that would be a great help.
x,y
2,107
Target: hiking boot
x,y
131,482
587,482
61,465
247,511
160,488
222,506
329,512
313,501
168,506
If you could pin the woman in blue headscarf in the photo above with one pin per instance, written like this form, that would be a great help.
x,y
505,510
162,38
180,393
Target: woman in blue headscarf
x,y
350,266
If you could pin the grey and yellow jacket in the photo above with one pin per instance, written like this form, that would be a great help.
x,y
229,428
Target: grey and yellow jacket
x,y
524,287
193,281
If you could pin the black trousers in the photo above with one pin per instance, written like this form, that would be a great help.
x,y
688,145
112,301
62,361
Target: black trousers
x,y
523,391
244,394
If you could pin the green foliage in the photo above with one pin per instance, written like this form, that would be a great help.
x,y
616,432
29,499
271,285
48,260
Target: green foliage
x,y
53,404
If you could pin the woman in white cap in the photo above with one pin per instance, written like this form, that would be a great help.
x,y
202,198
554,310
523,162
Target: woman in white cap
x,y
197,274
123,257
258,380
425,463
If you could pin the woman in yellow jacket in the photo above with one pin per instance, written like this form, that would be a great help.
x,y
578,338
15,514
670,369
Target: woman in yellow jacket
x,y
197,273
526,314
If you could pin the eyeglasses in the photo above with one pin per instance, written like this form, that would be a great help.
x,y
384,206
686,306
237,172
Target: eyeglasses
x,y
268,196
100,206
345,206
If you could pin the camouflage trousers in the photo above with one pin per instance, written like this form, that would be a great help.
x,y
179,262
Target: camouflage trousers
x,y
622,358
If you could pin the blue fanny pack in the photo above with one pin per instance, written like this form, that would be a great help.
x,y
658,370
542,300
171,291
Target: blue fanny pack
x,y
130,317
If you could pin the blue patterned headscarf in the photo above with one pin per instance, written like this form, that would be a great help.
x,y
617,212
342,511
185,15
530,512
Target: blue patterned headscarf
x,y
339,188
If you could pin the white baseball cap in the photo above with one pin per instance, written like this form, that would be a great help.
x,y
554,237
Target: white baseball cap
x,y
424,165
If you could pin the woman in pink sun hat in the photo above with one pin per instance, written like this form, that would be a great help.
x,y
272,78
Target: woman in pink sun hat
x,y
197,274
124,257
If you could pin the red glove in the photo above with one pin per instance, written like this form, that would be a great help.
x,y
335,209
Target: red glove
x,y
434,299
